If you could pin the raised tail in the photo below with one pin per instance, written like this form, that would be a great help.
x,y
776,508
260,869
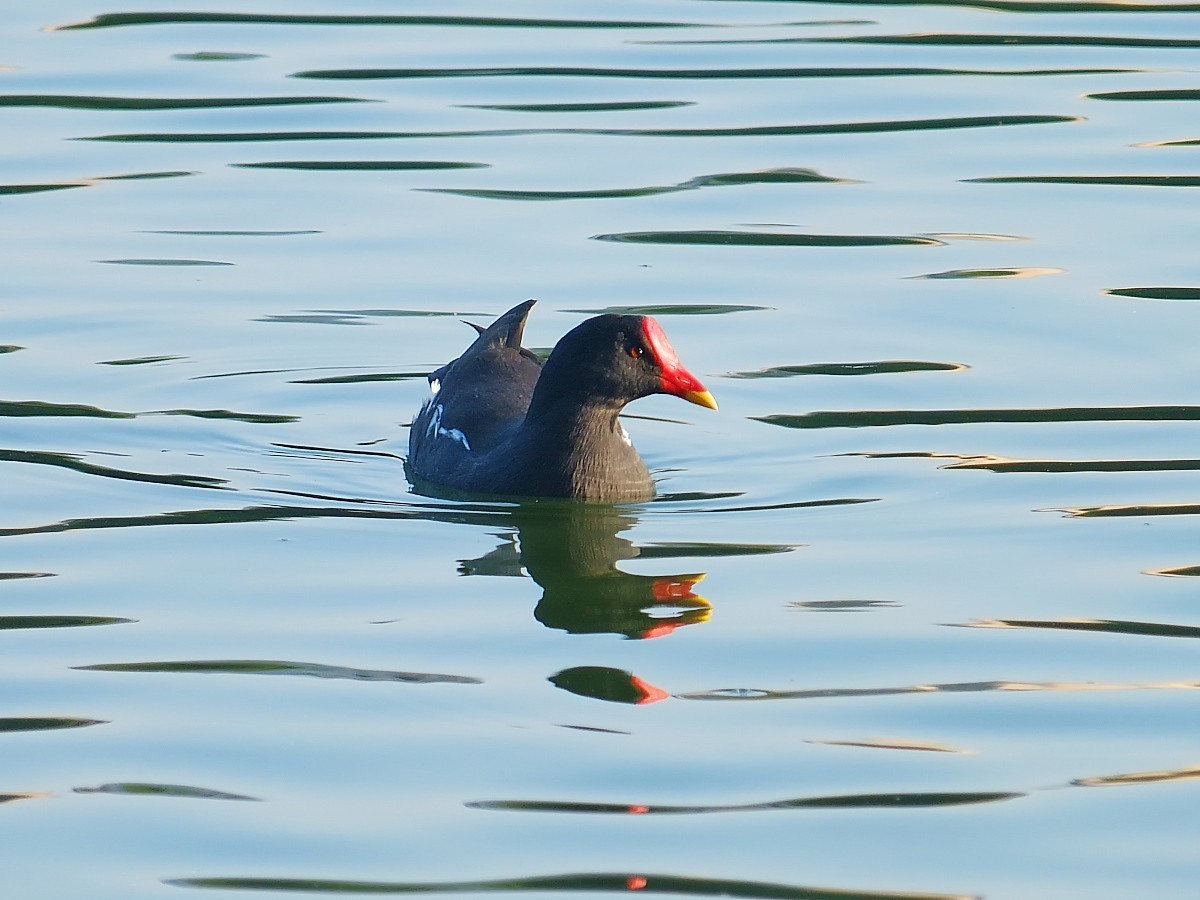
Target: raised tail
x,y
506,331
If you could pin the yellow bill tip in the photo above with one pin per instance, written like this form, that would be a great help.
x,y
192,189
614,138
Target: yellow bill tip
x,y
700,398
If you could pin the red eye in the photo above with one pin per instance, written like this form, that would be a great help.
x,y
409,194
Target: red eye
x,y
635,351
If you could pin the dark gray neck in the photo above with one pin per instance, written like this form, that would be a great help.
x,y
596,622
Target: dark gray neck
x,y
582,446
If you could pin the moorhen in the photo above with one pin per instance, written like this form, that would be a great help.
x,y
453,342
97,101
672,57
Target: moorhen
x,y
502,422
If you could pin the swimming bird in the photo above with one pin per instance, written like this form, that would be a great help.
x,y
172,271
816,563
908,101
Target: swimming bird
x,y
499,421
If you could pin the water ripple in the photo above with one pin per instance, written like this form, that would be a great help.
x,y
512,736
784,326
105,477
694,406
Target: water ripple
x,y
1156,293
143,789
1006,39
840,606
1178,572
312,319
46,723
226,233
1110,626
277,667
604,106
11,797
362,379
967,687
22,408
1163,94
1014,272
763,507
38,408
589,883
361,165
671,309
464,513
689,74
40,188
139,360
164,262
37,188
892,744
886,367
211,55
10,623
1155,777
112,20
76,463
78,101
1136,511
254,418
767,239
1002,464
1183,142
1038,6
896,800
877,127
865,418
1126,180
707,549
767,176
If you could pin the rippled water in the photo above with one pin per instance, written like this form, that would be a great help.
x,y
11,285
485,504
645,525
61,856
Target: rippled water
x,y
912,616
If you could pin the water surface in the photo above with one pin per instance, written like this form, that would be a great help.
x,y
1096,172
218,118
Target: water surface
x,y
914,613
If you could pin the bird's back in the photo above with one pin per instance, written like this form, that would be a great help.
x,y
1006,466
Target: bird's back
x,y
477,402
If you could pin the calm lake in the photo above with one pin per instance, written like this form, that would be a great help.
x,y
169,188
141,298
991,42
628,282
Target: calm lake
x,y
915,614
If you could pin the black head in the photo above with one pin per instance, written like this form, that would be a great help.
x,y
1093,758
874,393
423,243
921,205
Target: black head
x,y
611,360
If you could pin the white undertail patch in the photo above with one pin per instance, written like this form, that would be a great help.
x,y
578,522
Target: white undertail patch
x,y
455,434
435,430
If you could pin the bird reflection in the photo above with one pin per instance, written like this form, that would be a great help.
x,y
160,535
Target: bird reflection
x,y
605,683
571,550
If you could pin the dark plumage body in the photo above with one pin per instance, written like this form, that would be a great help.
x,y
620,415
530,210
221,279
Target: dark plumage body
x,y
502,422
